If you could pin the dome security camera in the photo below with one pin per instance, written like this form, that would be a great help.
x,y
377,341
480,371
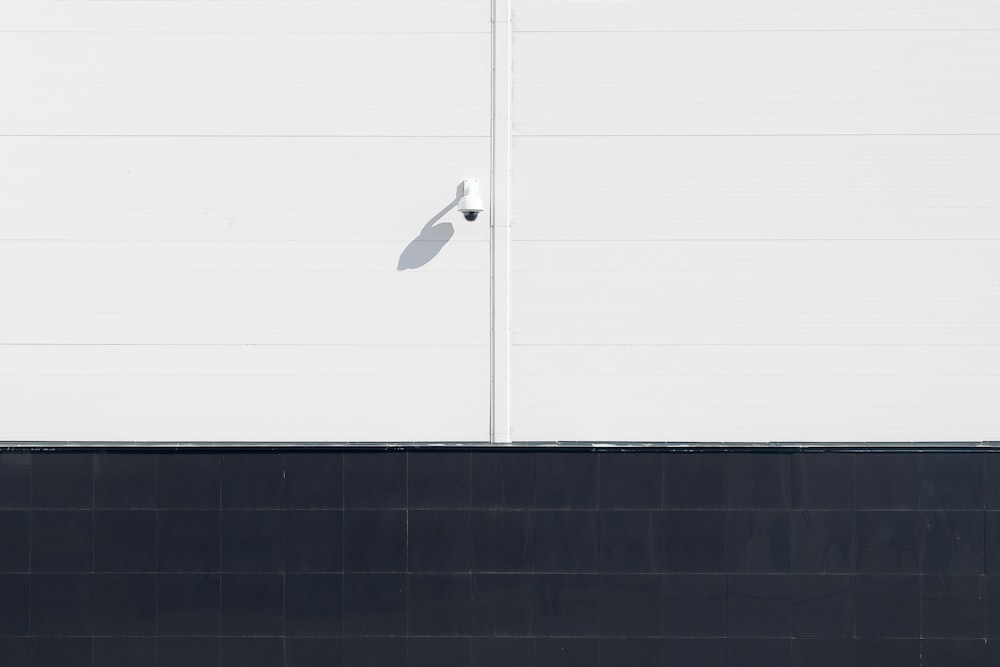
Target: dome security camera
x,y
470,204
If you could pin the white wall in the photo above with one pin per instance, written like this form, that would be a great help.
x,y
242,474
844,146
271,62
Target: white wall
x,y
756,221
202,210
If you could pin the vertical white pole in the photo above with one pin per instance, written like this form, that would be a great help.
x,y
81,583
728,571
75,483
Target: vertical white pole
x,y
500,431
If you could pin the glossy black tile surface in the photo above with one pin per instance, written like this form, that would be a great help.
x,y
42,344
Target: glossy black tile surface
x,y
125,604
694,605
439,540
887,480
253,481
486,558
188,540
14,540
566,480
634,481
314,540
438,480
694,481
760,480
125,541
823,480
124,481
314,605
314,480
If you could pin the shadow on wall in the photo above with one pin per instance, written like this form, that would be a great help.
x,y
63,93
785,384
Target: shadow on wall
x,y
431,239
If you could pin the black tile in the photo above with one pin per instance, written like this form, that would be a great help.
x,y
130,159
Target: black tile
x,y
887,605
760,480
759,541
991,465
952,652
993,652
314,540
62,541
439,541
13,540
888,541
124,651
187,480
62,480
567,652
62,651
62,604
823,542
503,480
438,652
952,606
992,545
15,651
823,652
823,605
630,605
631,652
690,541
313,652
15,480
375,540
374,604
759,605
187,652
253,652
566,480
125,540
694,605
502,541
951,480
377,652
15,605
566,604
188,540
125,480
690,652
952,542
627,541
252,605
503,652
694,480
631,480
253,541
566,541
375,479
314,480
823,480
992,605
887,480
438,604
888,652
759,652
438,480
502,604
187,604
314,605
125,604
254,480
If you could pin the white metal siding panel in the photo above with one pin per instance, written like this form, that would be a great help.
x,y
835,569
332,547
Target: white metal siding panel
x,y
202,212
756,223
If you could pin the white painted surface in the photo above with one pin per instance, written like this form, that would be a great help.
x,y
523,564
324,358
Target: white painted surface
x,y
203,208
756,222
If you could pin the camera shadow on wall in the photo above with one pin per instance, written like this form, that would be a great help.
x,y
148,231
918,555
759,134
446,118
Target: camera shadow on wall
x,y
431,239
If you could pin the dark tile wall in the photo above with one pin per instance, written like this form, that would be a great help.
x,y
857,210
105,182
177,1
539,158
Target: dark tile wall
x,y
473,558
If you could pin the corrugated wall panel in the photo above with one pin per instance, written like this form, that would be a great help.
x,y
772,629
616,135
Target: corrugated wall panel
x,y
215,221
755,223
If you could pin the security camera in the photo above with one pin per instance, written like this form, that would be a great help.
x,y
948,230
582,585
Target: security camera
x,y
470,204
